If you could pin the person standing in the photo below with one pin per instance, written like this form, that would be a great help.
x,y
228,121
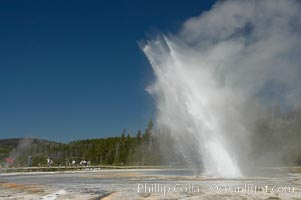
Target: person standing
x,y
48,162
29,161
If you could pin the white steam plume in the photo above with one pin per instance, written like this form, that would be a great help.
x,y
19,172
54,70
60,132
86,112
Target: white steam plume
x,y
209,74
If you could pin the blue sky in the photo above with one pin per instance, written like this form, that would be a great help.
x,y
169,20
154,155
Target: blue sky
x,y
73,69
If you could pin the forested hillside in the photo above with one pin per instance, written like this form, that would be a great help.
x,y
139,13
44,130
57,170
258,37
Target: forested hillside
x,y
140,149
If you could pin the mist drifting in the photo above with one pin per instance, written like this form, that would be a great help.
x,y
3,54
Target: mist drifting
x,y
214,76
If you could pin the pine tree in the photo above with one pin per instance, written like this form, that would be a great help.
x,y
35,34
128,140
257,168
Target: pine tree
x,y
139,138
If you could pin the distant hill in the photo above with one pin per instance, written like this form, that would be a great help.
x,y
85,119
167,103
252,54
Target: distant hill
x,y
15,142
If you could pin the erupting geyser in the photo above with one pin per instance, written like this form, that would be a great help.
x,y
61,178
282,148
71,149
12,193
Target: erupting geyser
x,y
207,74
189,102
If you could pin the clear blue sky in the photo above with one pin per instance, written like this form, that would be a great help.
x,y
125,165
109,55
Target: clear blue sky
x,y
73,69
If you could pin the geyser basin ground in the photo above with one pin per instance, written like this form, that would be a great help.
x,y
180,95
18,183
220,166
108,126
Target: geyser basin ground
x,y
284,183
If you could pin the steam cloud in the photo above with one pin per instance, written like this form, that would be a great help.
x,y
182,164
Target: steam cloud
x,y
218,71
23,146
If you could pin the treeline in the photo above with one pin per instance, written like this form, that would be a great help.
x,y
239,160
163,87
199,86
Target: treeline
x,y
277,137
141,149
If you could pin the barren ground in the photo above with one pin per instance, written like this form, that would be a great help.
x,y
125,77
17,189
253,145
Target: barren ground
x,y
147,184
